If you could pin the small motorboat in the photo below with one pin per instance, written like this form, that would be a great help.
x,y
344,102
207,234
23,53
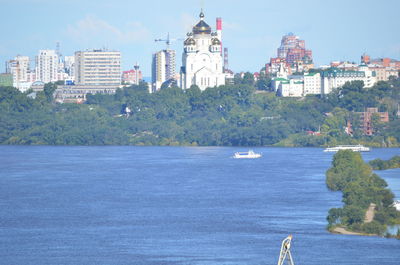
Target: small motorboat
x,y
249,154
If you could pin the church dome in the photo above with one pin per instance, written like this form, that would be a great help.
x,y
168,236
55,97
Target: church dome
x,y
189,41
215,41
202,27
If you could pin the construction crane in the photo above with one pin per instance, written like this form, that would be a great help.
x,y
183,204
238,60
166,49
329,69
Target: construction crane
x,y
285,252
167,41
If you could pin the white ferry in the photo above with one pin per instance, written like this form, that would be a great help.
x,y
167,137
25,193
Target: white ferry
x,y
355,148
249,154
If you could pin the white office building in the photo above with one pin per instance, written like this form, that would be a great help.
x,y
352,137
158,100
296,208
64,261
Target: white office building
x,y
320,83
291,88
98,68
312,84
95,71
337,78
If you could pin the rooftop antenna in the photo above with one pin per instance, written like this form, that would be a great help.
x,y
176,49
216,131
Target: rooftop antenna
x,y
202,6
58,49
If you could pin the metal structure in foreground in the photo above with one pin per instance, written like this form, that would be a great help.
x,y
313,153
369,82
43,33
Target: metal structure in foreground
x,y
285,252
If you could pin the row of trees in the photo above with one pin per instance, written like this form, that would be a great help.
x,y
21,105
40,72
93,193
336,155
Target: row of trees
x,y
231,115
360,187
379,164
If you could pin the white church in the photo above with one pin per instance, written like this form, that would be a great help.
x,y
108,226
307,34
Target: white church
x,y
202,62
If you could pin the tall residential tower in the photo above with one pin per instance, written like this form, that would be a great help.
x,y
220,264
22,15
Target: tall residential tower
x,y
47,66
163,68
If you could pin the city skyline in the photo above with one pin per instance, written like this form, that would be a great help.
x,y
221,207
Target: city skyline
x,y
252,32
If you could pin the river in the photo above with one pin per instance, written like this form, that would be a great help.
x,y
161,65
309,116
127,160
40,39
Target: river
x,y
175,205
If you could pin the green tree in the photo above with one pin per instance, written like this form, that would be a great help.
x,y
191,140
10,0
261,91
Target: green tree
x,y
334,215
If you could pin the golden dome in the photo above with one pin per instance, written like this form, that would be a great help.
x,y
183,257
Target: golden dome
x,y
189,41
215,41
202,27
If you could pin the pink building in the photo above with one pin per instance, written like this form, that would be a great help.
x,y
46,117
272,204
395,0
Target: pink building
x,y
273,66
132,76
293,49
366,120
293,53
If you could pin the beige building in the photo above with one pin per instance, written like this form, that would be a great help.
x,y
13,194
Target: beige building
x,y
19,68
98,68
20,73
163,68
383,73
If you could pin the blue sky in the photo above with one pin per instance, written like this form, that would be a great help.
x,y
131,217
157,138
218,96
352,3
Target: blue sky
x,y
334,30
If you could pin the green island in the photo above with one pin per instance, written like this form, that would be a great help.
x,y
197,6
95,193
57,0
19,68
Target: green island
x,y
245,113
379,164
367,201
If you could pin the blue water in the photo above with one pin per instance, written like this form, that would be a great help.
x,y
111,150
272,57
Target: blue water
x,y
175,205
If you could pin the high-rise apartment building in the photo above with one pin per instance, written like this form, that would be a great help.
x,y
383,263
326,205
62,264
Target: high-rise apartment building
x,y
47,66
163,67
98,68
19,68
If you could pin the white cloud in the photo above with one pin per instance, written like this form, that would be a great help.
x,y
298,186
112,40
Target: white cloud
x,y
92,30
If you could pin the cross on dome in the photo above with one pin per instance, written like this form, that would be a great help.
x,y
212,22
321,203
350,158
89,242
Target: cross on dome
x,y
202,27
201,15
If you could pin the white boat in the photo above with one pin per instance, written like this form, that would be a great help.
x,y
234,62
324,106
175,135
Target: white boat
x,y
249,154
355,148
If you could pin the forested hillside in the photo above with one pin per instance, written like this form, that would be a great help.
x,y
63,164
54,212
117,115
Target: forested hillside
x,y
232,115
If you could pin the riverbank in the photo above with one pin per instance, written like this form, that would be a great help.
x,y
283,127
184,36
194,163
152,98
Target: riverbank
x,y
369,217
343,231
